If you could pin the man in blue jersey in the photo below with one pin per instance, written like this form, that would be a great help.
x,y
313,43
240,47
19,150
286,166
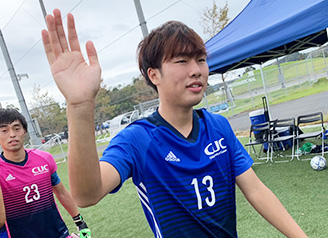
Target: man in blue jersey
x,y
184,162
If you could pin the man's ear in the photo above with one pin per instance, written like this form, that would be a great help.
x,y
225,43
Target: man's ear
x,y
154,75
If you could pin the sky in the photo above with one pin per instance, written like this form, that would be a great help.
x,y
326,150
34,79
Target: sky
x,y
112,25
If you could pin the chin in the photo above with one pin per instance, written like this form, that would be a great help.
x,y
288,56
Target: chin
x,y
194,102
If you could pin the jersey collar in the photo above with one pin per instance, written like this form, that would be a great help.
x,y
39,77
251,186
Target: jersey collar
x,y
12,162
158,120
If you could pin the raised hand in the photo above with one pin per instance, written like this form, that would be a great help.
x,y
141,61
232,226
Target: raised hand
x,y
78,81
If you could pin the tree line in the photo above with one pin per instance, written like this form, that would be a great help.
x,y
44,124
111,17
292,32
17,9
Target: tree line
x,y
110,102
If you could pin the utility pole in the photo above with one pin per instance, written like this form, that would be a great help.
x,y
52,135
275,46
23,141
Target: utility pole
x,y
141,17
43,9
34,140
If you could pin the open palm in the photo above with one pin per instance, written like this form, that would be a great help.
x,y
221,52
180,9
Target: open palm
x,y
78,81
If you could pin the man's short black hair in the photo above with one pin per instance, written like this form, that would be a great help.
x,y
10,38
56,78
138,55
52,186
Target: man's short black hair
x,y
8,116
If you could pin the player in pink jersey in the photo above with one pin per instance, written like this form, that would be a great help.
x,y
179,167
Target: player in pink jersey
x,y
28,180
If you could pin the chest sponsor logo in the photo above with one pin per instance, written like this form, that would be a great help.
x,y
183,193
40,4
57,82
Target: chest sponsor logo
x,y
215,148
172,157
40,169
10,177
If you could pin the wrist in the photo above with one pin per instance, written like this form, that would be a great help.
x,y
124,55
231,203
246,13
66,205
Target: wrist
x,y
79,222
3,228
80,115
82,227
87,104
78,219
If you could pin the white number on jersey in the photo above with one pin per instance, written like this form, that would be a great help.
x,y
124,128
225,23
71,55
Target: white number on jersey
x,y
207,181
28,190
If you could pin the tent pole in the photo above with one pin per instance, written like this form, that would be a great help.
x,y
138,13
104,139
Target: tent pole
x,y
281,75
324,59
265,91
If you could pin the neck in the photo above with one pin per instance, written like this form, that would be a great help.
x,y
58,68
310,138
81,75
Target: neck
x,y
181,119
15,156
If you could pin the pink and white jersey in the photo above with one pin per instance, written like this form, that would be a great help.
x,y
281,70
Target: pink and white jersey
x,y
28,196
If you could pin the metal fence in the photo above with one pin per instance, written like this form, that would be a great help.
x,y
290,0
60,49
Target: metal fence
x,y
278,79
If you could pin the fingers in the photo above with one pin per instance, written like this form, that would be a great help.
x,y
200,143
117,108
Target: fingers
x,y
92,54
53,37
55,41
47,47
72,35
56,37
60,30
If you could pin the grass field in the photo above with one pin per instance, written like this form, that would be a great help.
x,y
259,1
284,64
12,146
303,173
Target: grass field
x,y
302,191
118,215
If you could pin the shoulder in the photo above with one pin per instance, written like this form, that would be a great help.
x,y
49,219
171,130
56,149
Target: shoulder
x,y
211,117
36,152
137,128
40,155
216,124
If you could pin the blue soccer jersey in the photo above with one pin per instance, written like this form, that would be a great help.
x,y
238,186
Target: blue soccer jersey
x,y
186,185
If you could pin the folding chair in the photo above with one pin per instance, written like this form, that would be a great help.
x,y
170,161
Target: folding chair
x,y
259,135
282,137
310,119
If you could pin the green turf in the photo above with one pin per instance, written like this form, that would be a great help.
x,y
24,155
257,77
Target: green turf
x,y
117,215
301,190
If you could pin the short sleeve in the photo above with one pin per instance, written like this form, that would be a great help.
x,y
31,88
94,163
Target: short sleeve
x,y
241,160
55,179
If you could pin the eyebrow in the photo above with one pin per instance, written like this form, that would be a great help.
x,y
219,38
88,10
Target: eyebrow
x,y
190,54
7,125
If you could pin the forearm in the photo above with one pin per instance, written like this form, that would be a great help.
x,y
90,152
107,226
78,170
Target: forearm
x,y
2,210
268,205
2,217
65,199
83,161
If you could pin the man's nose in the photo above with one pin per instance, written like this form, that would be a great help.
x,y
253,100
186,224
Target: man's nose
x,y
195,69
12,133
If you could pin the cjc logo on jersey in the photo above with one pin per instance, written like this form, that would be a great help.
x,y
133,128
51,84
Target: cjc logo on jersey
x,y
216,148
40,169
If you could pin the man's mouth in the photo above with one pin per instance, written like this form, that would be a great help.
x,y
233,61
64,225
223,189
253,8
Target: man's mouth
x,y
194,86
13,142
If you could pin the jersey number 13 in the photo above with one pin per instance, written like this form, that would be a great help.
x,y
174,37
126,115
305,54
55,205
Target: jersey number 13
x,y
208,182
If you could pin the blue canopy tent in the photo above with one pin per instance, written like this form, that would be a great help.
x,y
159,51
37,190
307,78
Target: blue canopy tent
x,y
268,29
